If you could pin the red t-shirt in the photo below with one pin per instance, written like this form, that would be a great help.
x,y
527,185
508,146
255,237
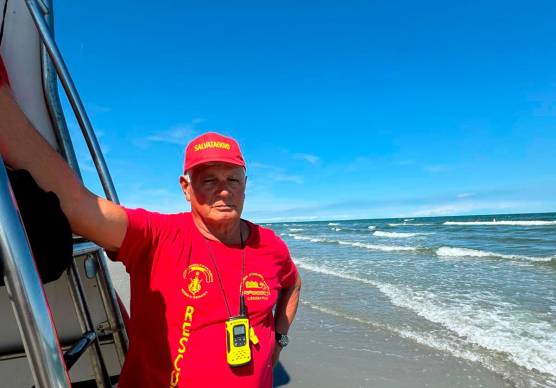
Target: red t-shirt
x,y
177,331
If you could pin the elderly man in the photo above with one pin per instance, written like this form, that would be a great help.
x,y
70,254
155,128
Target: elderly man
x,y
212,295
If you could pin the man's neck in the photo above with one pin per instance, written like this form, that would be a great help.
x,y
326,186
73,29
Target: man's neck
x,y
228,233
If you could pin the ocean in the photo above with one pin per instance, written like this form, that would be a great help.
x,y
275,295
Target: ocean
x,y
481,288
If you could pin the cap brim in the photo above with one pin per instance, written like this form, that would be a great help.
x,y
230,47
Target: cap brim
x,y
215,160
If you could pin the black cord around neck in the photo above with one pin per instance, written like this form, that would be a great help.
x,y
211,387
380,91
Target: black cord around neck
x,y
242,309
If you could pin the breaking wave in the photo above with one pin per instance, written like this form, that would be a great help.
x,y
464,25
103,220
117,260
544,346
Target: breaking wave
x,y
406,224
379,233
525,340
507,223
374,247
467,252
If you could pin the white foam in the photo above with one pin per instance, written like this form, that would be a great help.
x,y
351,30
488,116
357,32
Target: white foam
x,y
499,326
507,223
379,233
336,229
296,230
467,252
424,338
306,238
373,247
333,224
371,227
406,224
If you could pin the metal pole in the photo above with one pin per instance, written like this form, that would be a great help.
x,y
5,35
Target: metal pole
x,y
27,295
50,87
84,316
108,295
74,100
96,154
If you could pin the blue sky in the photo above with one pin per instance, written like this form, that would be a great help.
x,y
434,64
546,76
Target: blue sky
x,y
351,109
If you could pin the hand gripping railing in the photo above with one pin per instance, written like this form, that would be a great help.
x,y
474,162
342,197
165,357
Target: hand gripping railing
x,y
27,294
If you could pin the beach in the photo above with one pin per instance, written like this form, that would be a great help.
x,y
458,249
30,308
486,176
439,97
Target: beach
x,y
328,351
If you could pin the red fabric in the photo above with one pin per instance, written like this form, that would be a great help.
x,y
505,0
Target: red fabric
x,y
3,74
177,332
212,147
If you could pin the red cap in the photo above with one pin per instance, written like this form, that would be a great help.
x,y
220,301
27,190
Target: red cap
x,y
212,147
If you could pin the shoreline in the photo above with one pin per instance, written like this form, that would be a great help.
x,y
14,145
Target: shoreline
x,y
330,351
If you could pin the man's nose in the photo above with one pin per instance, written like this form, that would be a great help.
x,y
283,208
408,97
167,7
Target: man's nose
x,y
223,189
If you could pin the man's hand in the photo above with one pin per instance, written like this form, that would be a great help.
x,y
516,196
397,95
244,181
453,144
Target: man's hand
x,y
276,355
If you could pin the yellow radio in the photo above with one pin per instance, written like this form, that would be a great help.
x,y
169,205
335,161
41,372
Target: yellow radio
x,y
237,341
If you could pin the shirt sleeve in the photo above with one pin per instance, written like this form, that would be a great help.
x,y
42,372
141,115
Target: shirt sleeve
x,y
139,239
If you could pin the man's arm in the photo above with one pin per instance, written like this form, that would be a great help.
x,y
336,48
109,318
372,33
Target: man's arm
x,y
286,307
22,147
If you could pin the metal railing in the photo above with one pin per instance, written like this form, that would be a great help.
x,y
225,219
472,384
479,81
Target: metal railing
x,y
108,295
22,280
27,295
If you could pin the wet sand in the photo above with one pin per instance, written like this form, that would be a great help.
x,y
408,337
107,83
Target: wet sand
x,y
328,351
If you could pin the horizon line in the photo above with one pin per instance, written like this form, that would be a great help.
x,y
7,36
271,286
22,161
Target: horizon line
x,y
408,217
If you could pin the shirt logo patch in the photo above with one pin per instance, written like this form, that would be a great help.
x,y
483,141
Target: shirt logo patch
x,y
196,277
255,287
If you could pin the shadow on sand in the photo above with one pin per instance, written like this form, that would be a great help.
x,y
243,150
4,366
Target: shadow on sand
x,y
281,377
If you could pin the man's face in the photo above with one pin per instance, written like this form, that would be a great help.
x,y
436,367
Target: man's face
x,y
216,191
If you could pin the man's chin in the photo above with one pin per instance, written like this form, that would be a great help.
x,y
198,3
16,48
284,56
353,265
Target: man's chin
x,y
224,214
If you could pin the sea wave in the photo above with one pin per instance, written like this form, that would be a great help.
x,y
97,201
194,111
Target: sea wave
x,y
296,230
499,326
333,224
371,227
528,341
426,339
467,252
406,224
373,247
379,233
336,229
506,223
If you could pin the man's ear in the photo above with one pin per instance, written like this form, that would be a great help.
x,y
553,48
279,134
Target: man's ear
x,y
185,187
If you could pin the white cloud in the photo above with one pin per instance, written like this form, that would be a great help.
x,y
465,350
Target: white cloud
x,y
179,135
465,195
158,199
267,172
313,159
286,178
456,208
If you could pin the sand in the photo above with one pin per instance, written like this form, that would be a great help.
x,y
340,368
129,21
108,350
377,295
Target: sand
x,y
328,351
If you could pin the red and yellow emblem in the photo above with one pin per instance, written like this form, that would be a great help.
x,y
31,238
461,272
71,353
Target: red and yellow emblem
x,y
196,277
255,287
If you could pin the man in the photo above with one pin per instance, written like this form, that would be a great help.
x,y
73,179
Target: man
x,y
188,270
